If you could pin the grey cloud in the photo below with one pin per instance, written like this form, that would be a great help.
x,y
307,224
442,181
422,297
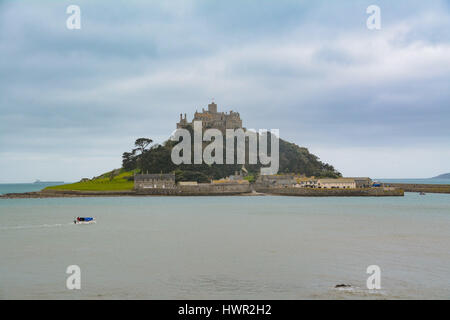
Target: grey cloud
x,y
311,69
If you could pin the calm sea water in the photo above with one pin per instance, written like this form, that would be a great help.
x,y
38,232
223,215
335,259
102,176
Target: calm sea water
x,y
418,181
24,187
226,247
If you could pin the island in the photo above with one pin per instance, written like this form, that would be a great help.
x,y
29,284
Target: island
x,y
147,170
442,176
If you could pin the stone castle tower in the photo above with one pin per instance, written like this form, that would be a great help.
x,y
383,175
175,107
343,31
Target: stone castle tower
x,y
212,119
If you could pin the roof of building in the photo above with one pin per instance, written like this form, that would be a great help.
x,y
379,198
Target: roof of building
x,y
158,176
188,183
338,180
227,181
306,180
277,177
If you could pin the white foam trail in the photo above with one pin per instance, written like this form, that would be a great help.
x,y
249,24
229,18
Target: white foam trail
x,y
35,226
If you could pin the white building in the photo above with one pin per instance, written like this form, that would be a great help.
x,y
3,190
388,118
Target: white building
x,y
340,183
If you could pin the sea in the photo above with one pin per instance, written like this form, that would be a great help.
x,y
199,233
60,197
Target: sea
x,y
416,181
255,247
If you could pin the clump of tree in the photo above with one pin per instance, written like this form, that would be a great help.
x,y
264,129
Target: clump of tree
x,y
156,158
133,160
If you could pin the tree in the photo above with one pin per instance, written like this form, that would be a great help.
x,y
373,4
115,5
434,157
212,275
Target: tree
x,y
157,159
141,144
128,161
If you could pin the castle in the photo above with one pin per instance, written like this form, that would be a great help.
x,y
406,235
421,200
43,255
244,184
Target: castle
x,y
212,119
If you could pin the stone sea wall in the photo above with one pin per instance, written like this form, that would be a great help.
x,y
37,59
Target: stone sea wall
x,y
427,188
214,190
310,192
66,194
199,190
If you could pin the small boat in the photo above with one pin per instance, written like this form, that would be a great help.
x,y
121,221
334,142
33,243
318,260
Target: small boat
x,y
84,220
422,193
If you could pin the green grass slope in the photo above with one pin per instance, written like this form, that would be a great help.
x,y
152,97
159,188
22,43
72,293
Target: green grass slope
x,y
116,180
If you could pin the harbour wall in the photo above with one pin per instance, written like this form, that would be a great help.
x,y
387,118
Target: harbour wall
x,y
315,192
427,188
205,189
215,190
66,194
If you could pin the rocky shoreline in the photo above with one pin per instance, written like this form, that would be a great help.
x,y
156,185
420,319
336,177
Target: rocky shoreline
x,y
257,191
65,194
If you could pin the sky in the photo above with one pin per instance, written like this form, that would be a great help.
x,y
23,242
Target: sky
x,y
370,102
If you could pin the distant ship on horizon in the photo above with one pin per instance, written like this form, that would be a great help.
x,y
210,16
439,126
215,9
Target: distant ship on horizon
x,y
55,182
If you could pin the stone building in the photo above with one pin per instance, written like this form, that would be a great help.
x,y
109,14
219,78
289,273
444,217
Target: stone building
x,y
188,183
154,181
211,118
341,183
285,180
304,182
362,182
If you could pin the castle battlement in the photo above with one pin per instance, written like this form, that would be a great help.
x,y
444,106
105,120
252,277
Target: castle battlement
x,y
212,119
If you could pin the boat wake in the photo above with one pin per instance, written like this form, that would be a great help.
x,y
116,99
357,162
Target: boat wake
x,y
35,226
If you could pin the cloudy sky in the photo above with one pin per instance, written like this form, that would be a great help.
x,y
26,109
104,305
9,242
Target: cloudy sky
x,y
370,102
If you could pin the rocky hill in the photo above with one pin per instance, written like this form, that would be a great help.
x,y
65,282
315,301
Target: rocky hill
x,y
292,159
